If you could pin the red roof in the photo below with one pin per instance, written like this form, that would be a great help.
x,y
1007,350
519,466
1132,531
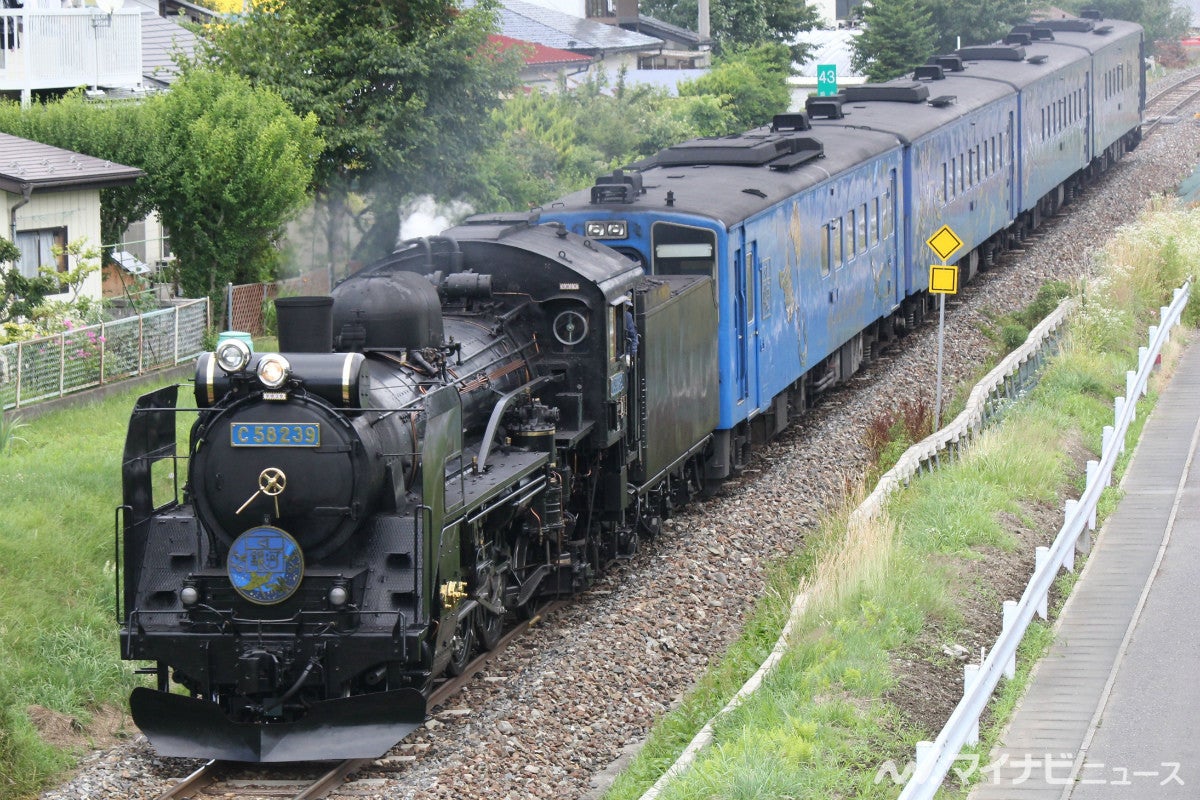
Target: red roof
x,y
537,55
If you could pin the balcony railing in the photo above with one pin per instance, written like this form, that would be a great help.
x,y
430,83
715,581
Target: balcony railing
x,y
61,49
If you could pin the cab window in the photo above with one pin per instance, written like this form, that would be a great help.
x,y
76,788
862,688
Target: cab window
x,y
684,250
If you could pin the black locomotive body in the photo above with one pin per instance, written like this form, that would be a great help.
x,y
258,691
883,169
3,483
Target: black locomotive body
x,y
476,424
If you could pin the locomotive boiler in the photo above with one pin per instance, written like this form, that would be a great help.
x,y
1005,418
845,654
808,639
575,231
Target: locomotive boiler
x,y
459,432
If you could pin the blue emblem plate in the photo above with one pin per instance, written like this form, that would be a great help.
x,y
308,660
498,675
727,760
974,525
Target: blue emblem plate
x,y
275,434
265,565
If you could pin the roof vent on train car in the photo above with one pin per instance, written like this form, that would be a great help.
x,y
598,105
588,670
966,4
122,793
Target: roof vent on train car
x,y
891,92
1036,33
1091,13
828,107
943,100
1037,59
1102,30
993,52
1068,25
796,121
803,150
620,187
950,62
929,72
755,149
1022,39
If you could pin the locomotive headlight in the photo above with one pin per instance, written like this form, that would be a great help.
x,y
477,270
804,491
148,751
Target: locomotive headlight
x,y
273,370
611,229
338,596
233,355
189,595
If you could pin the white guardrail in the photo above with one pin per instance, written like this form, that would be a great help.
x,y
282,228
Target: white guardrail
x,y
990,396
934,759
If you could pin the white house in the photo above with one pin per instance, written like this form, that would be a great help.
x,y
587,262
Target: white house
x,y
50,197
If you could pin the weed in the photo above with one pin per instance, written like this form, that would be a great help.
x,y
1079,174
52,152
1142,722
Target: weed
x,y
9,425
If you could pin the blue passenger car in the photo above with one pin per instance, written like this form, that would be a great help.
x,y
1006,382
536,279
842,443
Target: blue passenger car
x,y
802,236
814,229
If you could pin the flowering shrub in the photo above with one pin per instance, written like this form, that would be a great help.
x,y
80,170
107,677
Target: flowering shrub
x,y
25,311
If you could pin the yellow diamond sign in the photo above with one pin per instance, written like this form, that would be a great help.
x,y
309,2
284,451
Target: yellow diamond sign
x,y
945,242
943,279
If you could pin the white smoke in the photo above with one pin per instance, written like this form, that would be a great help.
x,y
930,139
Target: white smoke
x,y
424,216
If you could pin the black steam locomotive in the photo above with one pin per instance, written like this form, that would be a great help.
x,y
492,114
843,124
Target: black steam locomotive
x,y
461,431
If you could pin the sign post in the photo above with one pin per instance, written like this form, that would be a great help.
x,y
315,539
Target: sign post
x,y
826,80
943,280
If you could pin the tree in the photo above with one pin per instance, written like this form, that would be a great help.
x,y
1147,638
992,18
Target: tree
x,y
897,36
743,23
229,166
1164,20
401,90
750,85
969,22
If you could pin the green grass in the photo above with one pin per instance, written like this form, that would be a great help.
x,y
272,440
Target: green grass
x,y
60,483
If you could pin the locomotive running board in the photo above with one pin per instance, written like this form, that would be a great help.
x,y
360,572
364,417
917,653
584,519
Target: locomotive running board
x,y
362,726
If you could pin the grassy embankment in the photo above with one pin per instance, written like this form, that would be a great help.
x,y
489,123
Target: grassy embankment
x,y
60,479
885,599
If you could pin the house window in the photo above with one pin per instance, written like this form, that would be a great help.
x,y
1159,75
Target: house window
x,y
38,250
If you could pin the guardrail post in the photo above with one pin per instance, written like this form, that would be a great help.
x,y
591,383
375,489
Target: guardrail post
x,y
1093,477
1072,506
1118,412
1131,392
1009,620
926,755
1041,556
970,678
1106,442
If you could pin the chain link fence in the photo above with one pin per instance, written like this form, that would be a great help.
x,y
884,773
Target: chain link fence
x,y
82,358
247,301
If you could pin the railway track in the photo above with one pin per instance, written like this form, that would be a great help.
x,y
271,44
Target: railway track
x,y
1168,99
232,779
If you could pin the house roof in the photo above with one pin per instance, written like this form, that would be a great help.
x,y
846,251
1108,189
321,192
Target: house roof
x,y
673,33
538,55
29,165
162,37
539,25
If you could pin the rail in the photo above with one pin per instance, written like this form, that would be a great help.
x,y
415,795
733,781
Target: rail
x,y
95,355
935,759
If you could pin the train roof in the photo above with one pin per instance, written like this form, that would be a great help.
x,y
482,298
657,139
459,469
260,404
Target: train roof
x,y
912,109
501,245
1070,43
733,178
954,85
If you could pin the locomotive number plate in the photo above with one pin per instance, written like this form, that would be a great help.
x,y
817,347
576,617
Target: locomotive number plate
x,y
275,434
